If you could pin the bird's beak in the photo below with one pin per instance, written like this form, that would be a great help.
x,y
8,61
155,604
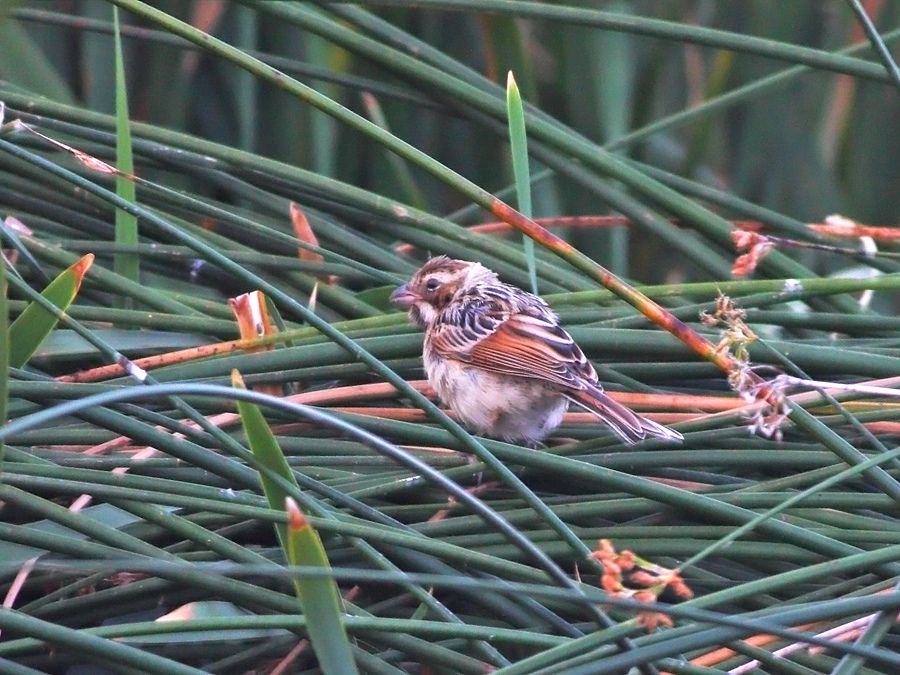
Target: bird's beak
x,y
403,297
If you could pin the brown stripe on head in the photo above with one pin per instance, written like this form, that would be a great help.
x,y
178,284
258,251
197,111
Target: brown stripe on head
x,y
442,263
435,285
437,281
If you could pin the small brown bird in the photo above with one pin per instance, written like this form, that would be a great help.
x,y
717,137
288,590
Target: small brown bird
x,y
498,358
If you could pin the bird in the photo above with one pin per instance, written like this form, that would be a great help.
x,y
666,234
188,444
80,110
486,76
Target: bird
x,y
498,357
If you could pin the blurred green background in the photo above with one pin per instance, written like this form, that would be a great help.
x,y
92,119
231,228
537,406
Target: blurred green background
x,y
682,115
818,144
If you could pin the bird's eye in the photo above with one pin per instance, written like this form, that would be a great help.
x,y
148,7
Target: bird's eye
x,y
431,285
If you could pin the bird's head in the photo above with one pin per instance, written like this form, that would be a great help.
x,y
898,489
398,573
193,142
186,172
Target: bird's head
x,y
434,286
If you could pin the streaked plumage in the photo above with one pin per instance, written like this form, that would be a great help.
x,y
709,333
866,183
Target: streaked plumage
x,y
497,356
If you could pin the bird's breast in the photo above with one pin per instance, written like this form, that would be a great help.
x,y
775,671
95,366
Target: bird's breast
x,y
513,408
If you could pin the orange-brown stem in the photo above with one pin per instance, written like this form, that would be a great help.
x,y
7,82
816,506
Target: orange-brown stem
x,y
610,281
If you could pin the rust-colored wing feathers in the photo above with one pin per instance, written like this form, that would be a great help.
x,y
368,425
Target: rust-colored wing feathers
x,y
521,345
532,344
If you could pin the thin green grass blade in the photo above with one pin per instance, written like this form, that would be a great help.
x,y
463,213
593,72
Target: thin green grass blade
x,y
126,264
35,323
319,596
518,141
890,65
265,448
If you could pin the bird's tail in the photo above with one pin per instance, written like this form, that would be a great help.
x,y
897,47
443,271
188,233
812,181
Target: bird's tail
x,y
627,425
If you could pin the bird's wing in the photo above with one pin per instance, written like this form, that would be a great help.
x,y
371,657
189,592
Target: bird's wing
x,y
521,344
531,344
